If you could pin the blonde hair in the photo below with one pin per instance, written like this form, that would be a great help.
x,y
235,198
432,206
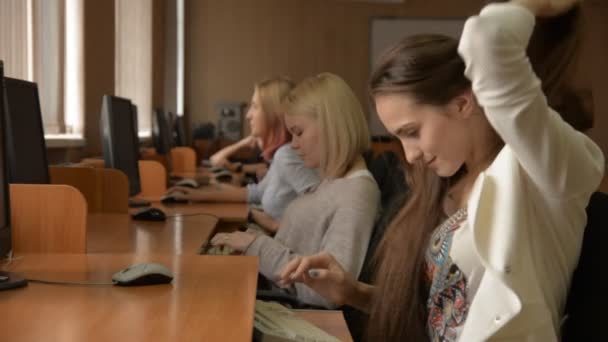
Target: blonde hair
x,y
344,134
271,93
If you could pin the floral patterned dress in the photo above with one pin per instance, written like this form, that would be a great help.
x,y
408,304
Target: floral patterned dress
x,y
449,295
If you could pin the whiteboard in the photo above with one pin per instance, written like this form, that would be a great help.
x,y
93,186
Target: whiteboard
x,y
385,32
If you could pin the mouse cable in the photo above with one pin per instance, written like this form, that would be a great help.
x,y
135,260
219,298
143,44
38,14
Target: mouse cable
x,y
10,258
50,282
194,214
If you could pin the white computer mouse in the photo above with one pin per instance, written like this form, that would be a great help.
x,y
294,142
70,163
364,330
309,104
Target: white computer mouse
x,y
147,273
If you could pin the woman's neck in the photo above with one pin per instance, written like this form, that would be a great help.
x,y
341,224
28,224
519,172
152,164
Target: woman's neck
x,y
458,193
358,164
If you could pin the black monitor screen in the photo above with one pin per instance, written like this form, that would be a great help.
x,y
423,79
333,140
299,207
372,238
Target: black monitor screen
x,y
161,131
136,128
180,131
5,230
119,143
25,146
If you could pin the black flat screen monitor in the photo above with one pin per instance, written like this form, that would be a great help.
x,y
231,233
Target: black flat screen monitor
x,y
136,128
180,131
24,134
161,132
5,229
120,148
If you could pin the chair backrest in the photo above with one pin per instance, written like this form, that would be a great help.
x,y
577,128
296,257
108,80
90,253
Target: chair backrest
x,y
387,169
183,159
48,219
105,190
153,178
588,297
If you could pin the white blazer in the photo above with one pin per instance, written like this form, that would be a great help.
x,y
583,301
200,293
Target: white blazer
x,y
527,210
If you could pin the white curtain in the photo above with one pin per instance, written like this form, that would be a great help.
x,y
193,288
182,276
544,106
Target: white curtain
x,y
36,46
14,30
49,47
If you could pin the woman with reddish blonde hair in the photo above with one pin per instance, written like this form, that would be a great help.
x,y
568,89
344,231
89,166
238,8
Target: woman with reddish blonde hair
x,y
330,133
287,176
268,132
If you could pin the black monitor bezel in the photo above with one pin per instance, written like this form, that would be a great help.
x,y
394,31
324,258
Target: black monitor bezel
x,y
5,227
107,137
13,167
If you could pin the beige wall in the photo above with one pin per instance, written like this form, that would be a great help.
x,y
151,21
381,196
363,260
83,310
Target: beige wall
x,y
98,66
231,44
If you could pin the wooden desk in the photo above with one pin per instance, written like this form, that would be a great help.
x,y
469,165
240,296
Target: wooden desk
x,y
226,212
118,233
210,299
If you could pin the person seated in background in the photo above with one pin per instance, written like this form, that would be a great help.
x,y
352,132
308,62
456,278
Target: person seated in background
x,y
486,245
330,133
287,176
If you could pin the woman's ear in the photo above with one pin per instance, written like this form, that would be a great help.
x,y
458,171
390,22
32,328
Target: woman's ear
x,y
463,105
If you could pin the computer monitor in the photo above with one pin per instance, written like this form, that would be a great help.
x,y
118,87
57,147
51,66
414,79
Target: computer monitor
x,y
136,128
8,280
120,148
161,132
5,229
180,131
24,134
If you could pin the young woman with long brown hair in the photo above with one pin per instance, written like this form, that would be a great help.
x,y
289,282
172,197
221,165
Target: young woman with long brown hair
x,y
486,245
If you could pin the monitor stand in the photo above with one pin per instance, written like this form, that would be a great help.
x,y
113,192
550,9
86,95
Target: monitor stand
x,y
11,281
138,203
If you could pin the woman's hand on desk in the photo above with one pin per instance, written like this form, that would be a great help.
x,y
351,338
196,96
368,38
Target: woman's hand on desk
x,y
324,274
185,193
238,241
210,193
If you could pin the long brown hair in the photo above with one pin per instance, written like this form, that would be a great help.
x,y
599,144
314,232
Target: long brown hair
x,y
429,68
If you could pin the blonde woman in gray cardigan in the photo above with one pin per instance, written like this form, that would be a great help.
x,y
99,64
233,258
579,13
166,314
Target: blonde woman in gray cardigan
x,y
329,132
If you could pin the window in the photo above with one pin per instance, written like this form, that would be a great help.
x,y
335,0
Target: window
x,y
41,41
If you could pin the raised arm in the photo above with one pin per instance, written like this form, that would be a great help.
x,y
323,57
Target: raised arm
x,y
220,158
559,160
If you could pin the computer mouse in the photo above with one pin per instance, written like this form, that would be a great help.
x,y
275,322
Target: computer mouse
x,y
223,176
170,199
150,214
190,183
147,273
216,169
